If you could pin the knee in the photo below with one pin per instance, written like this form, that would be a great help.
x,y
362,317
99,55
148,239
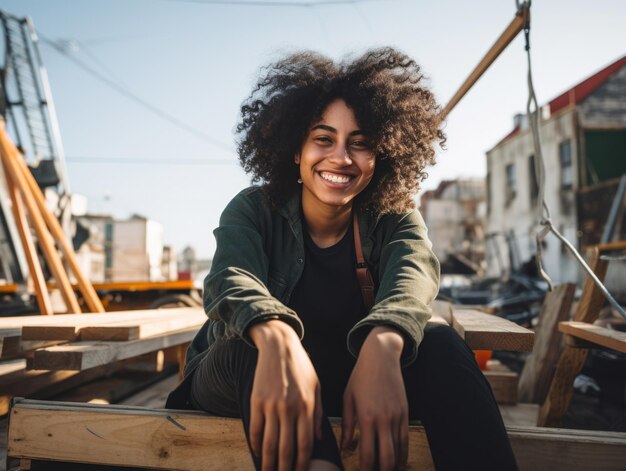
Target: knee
x,y
442,345
235,352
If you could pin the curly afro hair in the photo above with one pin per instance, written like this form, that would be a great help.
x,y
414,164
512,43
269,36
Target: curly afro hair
x,y
393,107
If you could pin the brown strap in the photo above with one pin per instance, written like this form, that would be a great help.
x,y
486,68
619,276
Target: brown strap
x,y
362,272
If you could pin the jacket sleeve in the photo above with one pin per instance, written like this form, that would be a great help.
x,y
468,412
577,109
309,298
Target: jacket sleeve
x,y
235,291
408,283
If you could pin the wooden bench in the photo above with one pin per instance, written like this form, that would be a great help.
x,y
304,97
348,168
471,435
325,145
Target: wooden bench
x,y
184,441
583,335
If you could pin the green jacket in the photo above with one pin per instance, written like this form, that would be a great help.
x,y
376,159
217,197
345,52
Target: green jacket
x,y
260,258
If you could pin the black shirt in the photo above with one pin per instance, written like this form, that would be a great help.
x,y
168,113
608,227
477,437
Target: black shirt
x,y
329,302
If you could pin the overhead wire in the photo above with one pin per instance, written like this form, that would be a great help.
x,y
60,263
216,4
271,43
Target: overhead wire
x,y
543,215
264,3
122,160
133,97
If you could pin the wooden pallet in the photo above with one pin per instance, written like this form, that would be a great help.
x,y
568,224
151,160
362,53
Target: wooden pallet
x,y
184,441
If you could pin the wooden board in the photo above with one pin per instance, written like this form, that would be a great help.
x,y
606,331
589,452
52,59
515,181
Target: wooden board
x,y
539,367
85,355
571,360
488,332
597,335
177,440
16,347
503,382
128,324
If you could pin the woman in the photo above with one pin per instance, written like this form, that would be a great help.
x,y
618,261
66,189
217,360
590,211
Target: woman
x,y
292,335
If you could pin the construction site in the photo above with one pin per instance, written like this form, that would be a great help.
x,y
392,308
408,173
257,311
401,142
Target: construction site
x,y
97,310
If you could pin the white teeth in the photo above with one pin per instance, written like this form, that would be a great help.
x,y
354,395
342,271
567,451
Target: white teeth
x,y
335,178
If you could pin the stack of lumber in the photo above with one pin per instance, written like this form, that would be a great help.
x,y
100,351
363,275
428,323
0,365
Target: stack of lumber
x,y
169,439
44,355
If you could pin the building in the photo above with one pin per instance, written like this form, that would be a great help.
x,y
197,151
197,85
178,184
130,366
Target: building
x,y
128,250
583,137
455,215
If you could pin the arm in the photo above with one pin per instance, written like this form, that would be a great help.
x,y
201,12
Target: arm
x,y
375,396
285,399
408,274
235,291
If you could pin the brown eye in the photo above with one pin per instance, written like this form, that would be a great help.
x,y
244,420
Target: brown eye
x,y
360,144
323,139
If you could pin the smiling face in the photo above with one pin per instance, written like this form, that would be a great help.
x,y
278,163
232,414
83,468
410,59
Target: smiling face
x,y
336,160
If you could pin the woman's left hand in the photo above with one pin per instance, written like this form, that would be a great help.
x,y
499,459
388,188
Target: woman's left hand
x,y
375,398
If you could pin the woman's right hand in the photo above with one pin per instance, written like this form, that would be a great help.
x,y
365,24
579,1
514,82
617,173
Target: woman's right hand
x,y
286,405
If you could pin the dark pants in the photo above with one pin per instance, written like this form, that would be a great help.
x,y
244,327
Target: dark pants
x,y
445,389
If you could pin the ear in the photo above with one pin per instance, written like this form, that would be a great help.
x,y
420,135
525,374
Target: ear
x,y
296,158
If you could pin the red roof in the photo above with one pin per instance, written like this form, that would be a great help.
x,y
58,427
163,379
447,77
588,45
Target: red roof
x,y
578,93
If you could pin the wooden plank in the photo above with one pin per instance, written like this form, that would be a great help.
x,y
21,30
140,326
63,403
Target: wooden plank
x,y
122,331
572,359
488,332
71,319
601,336
85,355
539,367
34,267
503,382
16,347
86,288
18,174
177,440
69,327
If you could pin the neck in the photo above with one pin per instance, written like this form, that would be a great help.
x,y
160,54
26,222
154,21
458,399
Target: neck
x,y
326,224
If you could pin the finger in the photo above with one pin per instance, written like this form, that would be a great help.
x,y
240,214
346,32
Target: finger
x,y
257,423
403,440
386,446
318,413
305,442
347,422
270,442
366,445
286,443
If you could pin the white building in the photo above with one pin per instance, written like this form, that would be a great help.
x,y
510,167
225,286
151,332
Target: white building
x,y
455,215
132,249
583,137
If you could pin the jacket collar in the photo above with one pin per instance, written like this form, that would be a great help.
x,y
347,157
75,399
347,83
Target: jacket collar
x,y
291,210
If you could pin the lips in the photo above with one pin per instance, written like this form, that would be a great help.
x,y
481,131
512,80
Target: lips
x,y
335,177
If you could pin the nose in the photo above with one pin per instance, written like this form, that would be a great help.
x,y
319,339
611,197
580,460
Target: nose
x,y
341,156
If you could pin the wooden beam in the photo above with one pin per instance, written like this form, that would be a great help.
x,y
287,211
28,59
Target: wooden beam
x,y
9,155
500,45
116,326
597,335
34,267
572,360
503,382
539,366
85,355
489,332
86,288
184,441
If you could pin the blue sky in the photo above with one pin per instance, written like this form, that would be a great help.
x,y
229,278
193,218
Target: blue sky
x,y
197,61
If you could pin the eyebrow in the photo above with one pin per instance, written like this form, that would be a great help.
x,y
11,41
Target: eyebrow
x,y
333,130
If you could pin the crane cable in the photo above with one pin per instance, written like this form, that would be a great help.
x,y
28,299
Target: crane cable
x,y
543,216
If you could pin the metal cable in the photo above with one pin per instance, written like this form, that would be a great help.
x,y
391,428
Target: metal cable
x,y
543,211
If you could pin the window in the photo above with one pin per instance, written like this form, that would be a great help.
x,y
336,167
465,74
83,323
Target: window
x,y
532,178
565,157
488,192
511,186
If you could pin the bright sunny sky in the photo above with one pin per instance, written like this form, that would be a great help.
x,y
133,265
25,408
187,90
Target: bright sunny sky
x,y
194,61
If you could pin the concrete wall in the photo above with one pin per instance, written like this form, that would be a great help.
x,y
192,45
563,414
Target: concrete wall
x,y
518,216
